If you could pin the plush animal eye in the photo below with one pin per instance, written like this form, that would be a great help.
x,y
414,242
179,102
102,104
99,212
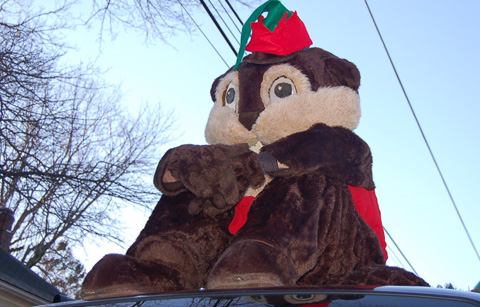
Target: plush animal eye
x,y
281,88
230,97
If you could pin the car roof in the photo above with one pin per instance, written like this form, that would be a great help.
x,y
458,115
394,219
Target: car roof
x,y
298,296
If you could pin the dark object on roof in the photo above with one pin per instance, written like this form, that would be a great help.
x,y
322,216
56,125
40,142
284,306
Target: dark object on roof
x,y
6,222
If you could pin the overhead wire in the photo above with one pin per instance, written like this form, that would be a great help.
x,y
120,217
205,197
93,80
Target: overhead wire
x,y
230,17
204,35
392,254
223,20
423,135
398,248
234,12
218,27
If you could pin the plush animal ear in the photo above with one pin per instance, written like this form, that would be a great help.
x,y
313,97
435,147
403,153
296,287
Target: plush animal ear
x,y
213,90
344,72
216,82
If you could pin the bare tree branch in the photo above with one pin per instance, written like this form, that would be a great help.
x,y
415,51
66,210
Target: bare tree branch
x,y
156,19
70,154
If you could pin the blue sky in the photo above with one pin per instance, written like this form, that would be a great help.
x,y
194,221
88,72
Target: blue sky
x,y
435,45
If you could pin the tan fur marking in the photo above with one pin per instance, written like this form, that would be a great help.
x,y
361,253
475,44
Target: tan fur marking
x,y
334,106
302,85
223,127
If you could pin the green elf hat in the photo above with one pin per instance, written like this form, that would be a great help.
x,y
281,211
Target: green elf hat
x,y
280,33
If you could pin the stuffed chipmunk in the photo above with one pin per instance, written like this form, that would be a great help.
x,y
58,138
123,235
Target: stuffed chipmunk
x,y
283,195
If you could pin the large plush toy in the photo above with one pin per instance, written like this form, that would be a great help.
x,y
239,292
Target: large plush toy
x,y
282,196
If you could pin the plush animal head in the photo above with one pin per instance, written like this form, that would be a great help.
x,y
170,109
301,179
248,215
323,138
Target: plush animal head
x,y
269,97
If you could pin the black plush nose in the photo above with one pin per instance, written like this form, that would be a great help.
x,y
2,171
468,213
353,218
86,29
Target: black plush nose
x,y
247,119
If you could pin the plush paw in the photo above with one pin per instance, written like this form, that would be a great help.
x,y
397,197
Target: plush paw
x,y
217,175
250,264
118,276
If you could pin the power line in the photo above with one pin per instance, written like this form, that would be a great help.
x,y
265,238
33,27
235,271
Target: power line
x,y
223,20
218,27
423,135
392,254
204,35
234,12
398,248
230,17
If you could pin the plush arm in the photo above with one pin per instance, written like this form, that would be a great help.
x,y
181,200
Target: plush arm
x,y
217,175
163,178
335,152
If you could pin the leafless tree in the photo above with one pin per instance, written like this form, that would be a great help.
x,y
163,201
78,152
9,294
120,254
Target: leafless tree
x,y
70,154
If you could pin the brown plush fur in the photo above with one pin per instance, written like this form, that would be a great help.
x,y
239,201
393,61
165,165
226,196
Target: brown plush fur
x,y
302,228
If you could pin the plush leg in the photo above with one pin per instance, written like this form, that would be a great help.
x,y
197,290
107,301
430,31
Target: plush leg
x,y
352,254
303,230
119,275
278,244
251,264
175,251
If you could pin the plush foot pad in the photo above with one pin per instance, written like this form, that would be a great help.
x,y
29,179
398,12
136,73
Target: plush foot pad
x,y
253,280
118,275
249,264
